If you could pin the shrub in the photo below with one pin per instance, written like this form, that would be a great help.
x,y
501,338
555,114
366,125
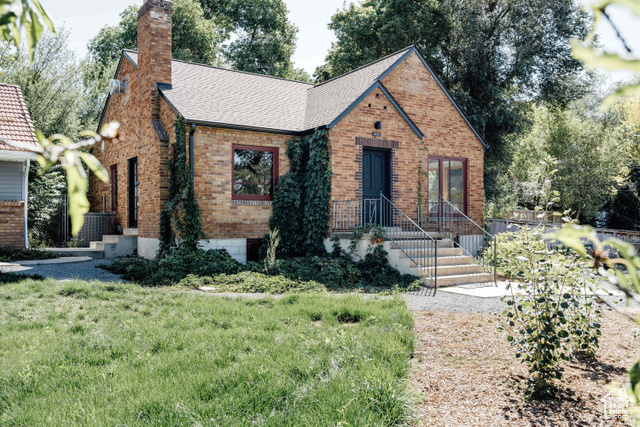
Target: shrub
x,y
340,272
251,282
175,267
334,272
8,254
555,317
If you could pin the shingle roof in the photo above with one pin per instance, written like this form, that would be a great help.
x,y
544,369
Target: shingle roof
x,y
15,121
207,94
326,101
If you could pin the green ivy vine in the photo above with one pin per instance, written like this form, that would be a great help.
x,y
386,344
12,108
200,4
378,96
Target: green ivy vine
x,y
181,216
301,198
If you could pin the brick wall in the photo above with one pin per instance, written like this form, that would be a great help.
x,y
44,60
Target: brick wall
x,y
125,110
135,110
346,151
445,131
223,218
12,223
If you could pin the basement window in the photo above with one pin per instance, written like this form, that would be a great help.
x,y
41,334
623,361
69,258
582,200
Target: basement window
x,y
255,171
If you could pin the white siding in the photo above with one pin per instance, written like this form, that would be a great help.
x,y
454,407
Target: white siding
x,y
11,180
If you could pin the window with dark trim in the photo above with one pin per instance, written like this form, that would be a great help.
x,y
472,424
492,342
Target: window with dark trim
x,y
448,178
113,179
255,172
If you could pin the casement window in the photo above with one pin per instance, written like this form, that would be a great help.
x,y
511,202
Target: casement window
x,y
113,179
255,172
448,178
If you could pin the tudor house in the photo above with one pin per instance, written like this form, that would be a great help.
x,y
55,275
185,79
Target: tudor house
x,y
386,121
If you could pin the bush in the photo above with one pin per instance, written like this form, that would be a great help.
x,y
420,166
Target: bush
x,y
340,272
335,272
9,254
249,281
175,267
555,317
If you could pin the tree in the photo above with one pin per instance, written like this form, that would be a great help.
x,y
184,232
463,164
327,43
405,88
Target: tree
x,y
625,209
53,91
377,28
51,83
492,55
194,38
57,149
584,158
19,15
263,37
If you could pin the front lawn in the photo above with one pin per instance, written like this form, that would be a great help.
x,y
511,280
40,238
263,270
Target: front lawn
x,y
78,353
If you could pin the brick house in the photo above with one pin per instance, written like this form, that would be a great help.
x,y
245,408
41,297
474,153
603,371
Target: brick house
x,y
385,121
16,126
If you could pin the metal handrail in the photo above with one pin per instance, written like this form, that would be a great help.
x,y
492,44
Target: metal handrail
x,y
453,223
395,223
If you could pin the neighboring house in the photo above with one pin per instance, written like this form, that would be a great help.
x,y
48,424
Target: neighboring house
x,y
384,119
15,125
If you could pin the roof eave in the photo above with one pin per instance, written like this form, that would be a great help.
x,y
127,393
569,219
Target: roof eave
x,y
247,128
444,89
378,84
123,55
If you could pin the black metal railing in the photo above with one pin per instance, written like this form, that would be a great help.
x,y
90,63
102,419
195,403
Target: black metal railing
x,y
418,245
473,239
349,215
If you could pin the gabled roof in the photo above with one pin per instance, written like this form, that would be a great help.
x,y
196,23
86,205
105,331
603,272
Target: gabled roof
x,y
215,96
15,121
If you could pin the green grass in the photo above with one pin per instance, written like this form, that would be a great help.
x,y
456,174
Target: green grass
x,y
78,353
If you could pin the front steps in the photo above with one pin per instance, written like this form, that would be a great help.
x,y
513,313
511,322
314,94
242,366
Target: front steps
x,y
454,267
111,246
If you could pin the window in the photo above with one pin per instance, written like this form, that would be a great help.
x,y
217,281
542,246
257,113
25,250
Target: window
x,y
255,171
113,179
448,178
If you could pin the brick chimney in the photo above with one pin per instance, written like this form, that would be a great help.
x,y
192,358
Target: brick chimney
x,y
154,66
154,50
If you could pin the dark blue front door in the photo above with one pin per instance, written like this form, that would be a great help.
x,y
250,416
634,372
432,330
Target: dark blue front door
x,y
375,180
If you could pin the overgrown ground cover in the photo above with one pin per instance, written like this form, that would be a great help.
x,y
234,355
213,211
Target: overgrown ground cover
x,y
78,353
10,254
216,268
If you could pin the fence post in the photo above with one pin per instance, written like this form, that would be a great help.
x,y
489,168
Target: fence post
x,y
495,260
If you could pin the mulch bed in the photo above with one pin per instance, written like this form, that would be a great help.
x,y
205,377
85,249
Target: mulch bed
x,y
467,374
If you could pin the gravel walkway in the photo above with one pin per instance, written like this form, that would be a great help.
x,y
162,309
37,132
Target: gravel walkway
x,y
86,270
430,299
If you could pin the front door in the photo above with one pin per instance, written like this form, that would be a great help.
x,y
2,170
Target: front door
x,y
375,180
133,192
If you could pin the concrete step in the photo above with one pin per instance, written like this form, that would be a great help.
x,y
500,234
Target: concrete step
x,y
422,243
130,231
461,279
119,238
116,246
420,253
405,235
453,270
444,260
80,252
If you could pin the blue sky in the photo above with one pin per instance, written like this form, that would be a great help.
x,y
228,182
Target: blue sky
x,y
83,19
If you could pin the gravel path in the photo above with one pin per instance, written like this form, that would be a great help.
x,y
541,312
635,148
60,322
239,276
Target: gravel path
x,y
430,299
86,270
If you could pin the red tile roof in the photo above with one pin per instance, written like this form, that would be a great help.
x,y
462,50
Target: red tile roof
x,y
15,121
